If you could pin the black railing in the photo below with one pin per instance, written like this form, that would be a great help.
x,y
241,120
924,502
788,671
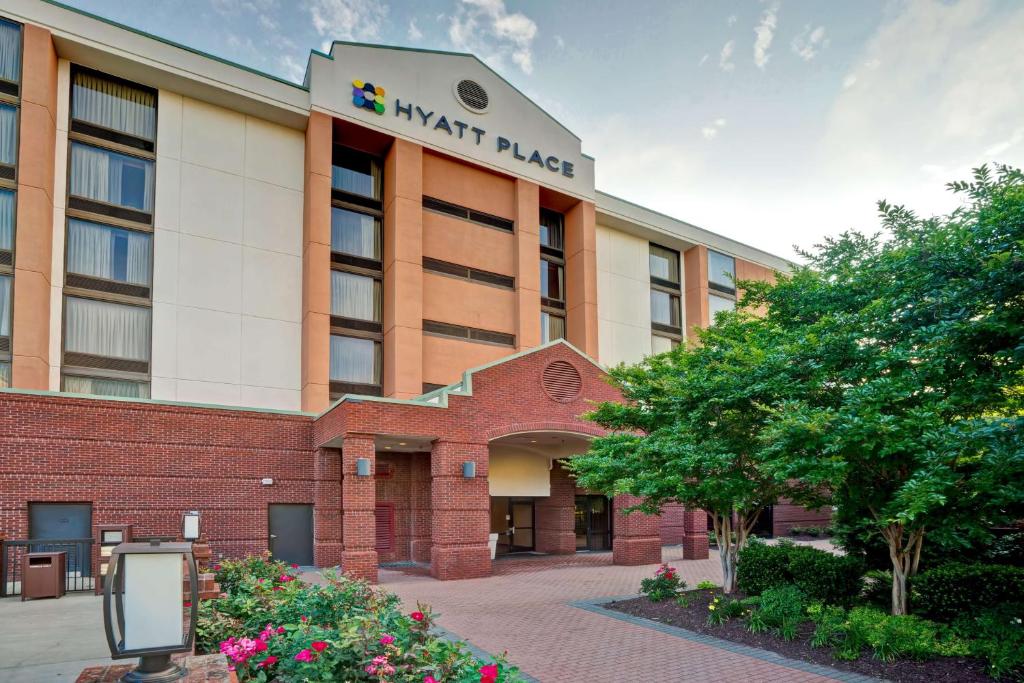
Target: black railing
x,y
79,576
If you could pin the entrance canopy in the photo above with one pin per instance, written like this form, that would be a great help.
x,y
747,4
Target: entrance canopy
x,y
521,464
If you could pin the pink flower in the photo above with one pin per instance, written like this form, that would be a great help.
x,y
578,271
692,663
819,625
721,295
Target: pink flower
x,y
489,673
417,616
269,661
370,669
304,656
387,639
304,619
261,646
294,566
287,577
380,659
429,679
280,629
277,588
318,645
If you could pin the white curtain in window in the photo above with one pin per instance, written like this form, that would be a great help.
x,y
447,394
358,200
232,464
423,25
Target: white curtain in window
x,y
113,105
354,296
105,387
107,177
354,233
664,310
5,306
6,219
5,375
357,181
354,360
10,51
92,251
106,329
8,135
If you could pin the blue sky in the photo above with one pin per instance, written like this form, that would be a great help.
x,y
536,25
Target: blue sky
x,y
775,123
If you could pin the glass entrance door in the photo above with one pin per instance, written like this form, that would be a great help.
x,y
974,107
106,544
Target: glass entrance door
x,y
593,523
512,520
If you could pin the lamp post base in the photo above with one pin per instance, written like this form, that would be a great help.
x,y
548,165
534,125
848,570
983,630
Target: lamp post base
x,y
155,669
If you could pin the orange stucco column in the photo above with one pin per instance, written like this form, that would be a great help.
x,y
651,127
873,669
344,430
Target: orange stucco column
x,y
34,231
581,278
527,264
695,290
316,265
403,270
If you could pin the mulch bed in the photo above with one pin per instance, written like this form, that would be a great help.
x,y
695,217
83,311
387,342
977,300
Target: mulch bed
x,y
694,618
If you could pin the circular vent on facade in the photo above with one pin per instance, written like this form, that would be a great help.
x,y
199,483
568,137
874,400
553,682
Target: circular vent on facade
x,y
472,96
561,381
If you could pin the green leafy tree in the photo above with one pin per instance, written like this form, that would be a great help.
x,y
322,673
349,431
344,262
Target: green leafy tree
x,y
916,347
689,432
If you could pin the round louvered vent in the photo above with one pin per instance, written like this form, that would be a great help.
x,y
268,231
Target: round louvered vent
x,y
472,96
561,381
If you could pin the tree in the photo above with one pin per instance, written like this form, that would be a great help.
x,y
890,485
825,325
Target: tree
x,y
917,345
689,432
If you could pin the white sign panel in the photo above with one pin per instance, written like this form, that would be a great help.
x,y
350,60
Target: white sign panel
x,y
153,600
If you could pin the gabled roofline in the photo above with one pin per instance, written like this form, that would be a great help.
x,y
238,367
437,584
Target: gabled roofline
x,y
438,398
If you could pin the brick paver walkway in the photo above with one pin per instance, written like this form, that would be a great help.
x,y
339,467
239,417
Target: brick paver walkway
x,y
528,614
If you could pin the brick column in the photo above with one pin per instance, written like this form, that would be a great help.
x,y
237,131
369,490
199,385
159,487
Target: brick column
x,y
461,512
527,264
33,238
672,523
555,524
358,503
581,278
420,509
636,536
403,271
695,290
327,548
316,264
695,535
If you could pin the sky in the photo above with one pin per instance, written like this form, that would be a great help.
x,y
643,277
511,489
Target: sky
x,y
775,123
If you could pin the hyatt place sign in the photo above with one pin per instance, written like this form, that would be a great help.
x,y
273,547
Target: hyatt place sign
x,y
367,96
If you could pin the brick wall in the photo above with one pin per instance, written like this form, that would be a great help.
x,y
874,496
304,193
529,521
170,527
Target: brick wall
x,y
786,515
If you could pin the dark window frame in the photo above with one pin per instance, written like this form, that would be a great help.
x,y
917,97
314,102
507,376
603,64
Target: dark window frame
x,y
470,215
674,290
555,308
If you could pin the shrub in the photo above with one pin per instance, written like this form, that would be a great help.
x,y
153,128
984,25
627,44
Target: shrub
x,y
829,625
706,585
957,588
878,588
722,609
1008,549
665,584
781,610
834,579
899,637
230,573
996,635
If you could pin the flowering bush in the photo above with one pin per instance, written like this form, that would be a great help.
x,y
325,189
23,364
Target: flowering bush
x,y
664,585
273,627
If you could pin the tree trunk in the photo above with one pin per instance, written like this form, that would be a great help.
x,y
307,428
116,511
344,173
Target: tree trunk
x,y
726,524
905,558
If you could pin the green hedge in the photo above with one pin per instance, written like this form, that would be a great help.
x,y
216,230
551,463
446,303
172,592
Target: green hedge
x,y
957,588
832,579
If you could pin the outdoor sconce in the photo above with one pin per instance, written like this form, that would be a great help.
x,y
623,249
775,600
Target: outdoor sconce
x,y
469,469
190,525
363,467
144,611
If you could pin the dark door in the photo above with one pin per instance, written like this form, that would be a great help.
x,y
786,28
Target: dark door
x,y
593,523
64,522
764,526
291,533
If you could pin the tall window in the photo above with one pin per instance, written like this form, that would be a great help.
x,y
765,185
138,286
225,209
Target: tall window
x,y
10,104
109,245
666,306
552,275
721,283
356,274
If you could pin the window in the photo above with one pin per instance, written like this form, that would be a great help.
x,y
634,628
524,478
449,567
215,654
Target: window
x,y
99,386
357,274
717,304
552,275
721,272
666,298
10,56
6,308
8,135
113,109
106,329
111,178
101,251
6,226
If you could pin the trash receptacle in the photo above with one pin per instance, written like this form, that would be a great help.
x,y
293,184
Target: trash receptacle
x,y
43,575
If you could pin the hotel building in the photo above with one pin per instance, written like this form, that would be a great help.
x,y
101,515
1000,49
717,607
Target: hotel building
x,y
354,320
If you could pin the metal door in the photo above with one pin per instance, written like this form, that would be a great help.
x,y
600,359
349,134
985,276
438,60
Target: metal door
x,y
62,521
291,533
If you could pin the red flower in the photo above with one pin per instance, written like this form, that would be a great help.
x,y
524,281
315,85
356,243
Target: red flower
x,y
294,566
260,646
280,629
304,619
417,616
188,604
269,661
278,588
318,645
216,567
489,673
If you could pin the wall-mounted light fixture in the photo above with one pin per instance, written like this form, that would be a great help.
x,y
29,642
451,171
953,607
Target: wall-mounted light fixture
x,y
469,469
144,609
190,525
267,481
363,467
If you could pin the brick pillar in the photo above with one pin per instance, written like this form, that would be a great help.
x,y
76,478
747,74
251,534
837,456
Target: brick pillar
x,y
403,271
461,512
527,259
581,278
327,548
420,508
695,535
695,290
33,237
555,524
316,264
672,523
636,536
358,503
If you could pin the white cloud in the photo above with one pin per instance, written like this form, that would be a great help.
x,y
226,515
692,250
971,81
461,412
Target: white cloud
x,y
998,149
809,42
724,59
710,131
560,42
704,59
415,34
294,70
731,21
849,81
487,29
347,19
765,31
